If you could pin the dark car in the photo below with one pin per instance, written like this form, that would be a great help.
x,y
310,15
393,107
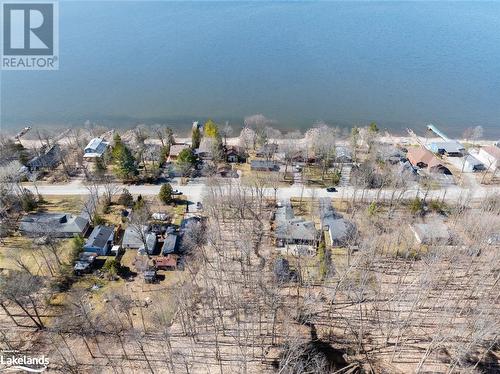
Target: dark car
x,y
331,189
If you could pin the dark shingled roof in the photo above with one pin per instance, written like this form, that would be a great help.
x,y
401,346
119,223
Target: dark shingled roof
x,y
99,236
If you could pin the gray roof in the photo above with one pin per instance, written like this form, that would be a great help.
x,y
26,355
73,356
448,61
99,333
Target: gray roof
x,y
472,161
96,147
99,236
170,244
46,160
46,223
340,229
206,145
291,228
343,152
150,242
132,238
296,229
451,146
263,164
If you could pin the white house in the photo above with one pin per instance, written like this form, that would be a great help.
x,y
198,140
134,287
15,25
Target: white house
x,y
489,156
95,148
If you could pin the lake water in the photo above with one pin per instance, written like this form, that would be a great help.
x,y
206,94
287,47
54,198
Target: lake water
x,y
398,63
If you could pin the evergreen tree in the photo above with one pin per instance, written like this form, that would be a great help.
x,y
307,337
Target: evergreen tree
x,y
196,137
165,194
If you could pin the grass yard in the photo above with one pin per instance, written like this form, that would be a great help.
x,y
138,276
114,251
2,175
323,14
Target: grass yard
x,y
62,203
312,176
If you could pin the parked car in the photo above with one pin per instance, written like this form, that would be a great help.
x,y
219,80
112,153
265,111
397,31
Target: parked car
x,y
331,189
176,192
199,206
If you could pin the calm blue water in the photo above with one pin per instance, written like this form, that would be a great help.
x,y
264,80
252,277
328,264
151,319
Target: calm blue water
x,y
397,63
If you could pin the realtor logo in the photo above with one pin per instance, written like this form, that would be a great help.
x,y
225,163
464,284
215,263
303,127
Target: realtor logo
x,y
30,35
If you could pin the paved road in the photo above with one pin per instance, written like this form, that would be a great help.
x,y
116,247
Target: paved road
x,y
195,191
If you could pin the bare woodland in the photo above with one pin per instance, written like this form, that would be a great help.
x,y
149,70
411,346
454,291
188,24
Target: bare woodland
x,y
383,306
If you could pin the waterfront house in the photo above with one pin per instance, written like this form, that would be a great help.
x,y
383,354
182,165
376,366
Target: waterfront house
x,y
57,225
46,160
490,157
472,164
175,150
450,148
100,240
425,159
264,165
205,150
235,154
95,148
343,154
267,150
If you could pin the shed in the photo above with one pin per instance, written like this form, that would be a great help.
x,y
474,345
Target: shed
x,y
168,262
435,232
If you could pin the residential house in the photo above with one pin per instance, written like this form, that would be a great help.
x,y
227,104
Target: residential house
x,y
293,230
343,154
267,150
490,157
451,148
434,232
425,159
391,154
472,164
100,240
340,231
226,171
132,238
264,165
205,150
57,225
175,150
150,244
95,148
235,154
46,160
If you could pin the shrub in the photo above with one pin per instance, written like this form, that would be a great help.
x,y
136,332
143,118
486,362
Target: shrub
x,y
416,206
112,266
126,199
28,201
98,220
